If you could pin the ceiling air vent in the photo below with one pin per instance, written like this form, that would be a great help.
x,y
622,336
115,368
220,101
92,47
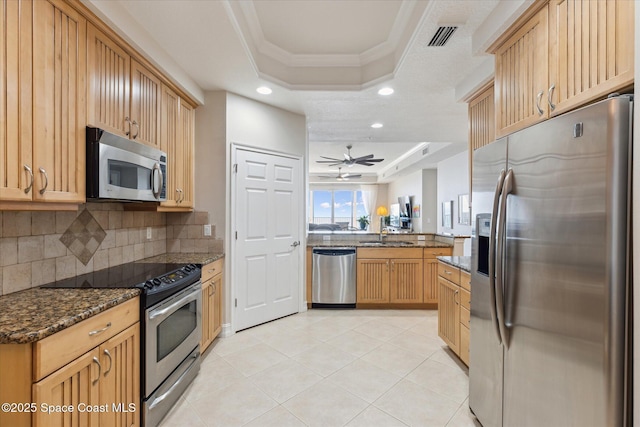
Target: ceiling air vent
x,y
442,35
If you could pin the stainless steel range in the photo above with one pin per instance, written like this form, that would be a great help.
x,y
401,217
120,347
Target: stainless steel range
x,y
171,317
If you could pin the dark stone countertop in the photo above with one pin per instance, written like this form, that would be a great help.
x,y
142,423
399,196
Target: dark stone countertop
x,y
33,314
187,258
387,244
462,262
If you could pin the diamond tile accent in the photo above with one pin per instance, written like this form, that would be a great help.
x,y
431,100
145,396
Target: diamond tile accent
x,y
83,237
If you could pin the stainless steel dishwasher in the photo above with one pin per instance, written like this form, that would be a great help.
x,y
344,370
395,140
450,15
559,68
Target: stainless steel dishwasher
x,y
334,278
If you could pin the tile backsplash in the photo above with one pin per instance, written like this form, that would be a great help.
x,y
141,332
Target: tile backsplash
x,y
40,247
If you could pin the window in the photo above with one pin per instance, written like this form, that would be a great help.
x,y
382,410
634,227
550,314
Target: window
x,y
339,207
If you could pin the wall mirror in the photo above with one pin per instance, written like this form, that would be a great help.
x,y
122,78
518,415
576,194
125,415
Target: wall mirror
x,y
464,213
447,214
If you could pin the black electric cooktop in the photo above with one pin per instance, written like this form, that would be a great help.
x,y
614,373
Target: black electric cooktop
x,y
156,281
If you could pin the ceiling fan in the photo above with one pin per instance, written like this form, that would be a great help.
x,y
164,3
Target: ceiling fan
x,y
367,160
341,176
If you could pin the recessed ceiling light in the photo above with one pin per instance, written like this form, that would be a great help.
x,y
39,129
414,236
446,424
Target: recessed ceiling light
x,y
376,125
385,91
264,90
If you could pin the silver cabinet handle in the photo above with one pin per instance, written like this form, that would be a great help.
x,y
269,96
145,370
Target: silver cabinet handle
x,y
456,298
552,106
295,244
99,331
106,352
135,123
46,180
538,99
179,199
156,170
127,120
28,169
97,362
175,385
181,195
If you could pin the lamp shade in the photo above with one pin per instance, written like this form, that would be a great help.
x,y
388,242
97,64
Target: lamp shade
x,y
382,211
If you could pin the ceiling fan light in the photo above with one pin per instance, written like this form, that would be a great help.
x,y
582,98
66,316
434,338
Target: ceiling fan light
x,y
385,91
377,125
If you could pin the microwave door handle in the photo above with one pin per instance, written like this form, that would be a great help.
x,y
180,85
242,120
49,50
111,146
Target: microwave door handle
x,y
156,170
492,255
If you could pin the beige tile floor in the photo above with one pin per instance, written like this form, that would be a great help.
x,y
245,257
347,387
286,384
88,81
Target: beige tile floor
x,y
369,368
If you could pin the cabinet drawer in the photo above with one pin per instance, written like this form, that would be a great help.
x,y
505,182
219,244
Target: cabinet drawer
x,y
450,273
465,317
435,252
465,298
61,348
211,269
465,280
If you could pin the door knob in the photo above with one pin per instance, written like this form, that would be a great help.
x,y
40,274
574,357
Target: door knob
x,y
294,244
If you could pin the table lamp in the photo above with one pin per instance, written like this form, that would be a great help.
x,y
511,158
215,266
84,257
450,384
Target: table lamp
x,y
382,212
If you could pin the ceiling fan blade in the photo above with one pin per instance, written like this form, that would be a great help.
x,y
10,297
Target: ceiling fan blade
x,y
369,156
372,161
331,158
365,164
348,175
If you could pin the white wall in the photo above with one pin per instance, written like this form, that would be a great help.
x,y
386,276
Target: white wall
x,y
429,208
409,185
453,180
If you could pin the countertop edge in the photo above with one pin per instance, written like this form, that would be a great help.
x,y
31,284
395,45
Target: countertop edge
x,y
461,262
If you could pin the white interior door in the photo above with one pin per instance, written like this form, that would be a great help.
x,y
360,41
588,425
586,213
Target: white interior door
x,y
268,209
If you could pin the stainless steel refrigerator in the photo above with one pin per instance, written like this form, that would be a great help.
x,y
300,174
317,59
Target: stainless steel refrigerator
x,y
550,294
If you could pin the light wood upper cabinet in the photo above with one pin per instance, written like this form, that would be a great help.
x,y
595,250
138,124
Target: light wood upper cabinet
x,y
521,76
15,99
178,140
592,50
124,96
145,105
109,84
59,93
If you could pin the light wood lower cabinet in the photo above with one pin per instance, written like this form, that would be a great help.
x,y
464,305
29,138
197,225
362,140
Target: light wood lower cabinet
x,y
454,309
51,373
430,269
389,276
212,283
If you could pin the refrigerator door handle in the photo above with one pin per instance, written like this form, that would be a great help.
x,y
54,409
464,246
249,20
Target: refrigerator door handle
x,y
492,254
500,255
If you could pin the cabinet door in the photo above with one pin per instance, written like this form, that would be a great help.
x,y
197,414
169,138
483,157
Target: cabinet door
x,y
59,93
170,121
449,314
406,281
430,281
207,315
109,70
187,143
464,344
372,281
74,384
145,105
592,54
15,99
120,378
521,76
218,283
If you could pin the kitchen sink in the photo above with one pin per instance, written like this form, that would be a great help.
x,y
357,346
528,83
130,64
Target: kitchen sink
x,y
385,243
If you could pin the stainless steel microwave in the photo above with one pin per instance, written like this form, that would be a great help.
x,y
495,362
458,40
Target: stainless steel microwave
x,y
120,169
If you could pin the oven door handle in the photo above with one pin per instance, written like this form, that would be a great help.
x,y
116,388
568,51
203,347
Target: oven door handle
x,y
164,395
191,296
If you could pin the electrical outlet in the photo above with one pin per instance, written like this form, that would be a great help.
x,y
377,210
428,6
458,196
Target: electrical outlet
x,y
148,233
207,229
325,238
421,238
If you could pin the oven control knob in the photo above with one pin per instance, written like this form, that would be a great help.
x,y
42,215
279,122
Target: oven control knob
x,y
148,284
187,268
156,282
